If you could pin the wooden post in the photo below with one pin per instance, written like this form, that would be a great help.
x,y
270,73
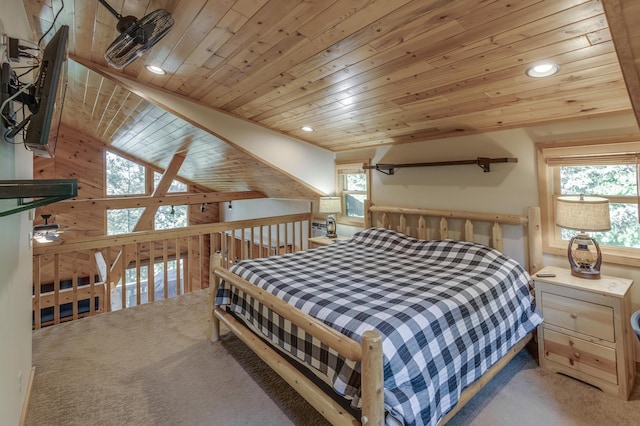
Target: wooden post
x,y
214,322
37,265
534,228
372,379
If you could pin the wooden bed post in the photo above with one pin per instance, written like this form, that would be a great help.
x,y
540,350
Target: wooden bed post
x,y
214,322
534,229
372,377
368,215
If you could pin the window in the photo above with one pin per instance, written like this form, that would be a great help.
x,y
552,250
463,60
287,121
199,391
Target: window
x,y
609,171
124,177
352,186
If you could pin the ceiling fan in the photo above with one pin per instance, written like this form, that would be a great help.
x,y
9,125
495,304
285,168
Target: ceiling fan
x,y
46,232
136,35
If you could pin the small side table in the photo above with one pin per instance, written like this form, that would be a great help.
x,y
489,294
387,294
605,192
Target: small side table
x,y
586,332
324,241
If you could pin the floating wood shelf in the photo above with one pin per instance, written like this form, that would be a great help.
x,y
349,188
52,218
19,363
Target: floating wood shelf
x,y
41,191
483,162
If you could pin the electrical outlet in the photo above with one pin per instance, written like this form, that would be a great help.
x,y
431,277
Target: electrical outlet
x,y
19,381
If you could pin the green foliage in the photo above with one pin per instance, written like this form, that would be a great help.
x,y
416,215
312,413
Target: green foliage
x,y
122,221
168,217
124,176
607,181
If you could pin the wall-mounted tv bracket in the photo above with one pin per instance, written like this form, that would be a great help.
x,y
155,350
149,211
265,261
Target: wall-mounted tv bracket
x,y
482,162
40,191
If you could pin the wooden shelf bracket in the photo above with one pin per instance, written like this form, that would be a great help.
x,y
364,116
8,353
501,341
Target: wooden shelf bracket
x,y
40,191
482,162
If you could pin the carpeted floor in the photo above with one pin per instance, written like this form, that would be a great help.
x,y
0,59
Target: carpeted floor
x,y
153,365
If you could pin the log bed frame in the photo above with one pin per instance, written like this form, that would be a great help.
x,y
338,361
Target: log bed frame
x,y
369,352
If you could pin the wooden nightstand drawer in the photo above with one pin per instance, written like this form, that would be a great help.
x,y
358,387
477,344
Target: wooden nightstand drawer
x,y
582,317
589,358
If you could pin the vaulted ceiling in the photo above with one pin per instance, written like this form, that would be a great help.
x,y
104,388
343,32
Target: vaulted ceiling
x,y
362,73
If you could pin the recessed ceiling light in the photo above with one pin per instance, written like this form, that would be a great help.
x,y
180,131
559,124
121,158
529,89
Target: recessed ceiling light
x,y
306,128
543,70
156,70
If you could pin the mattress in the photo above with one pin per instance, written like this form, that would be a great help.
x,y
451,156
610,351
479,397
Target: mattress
x,y
447,311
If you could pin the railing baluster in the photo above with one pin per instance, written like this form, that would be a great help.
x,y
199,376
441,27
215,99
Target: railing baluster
x,y
37,280
179,268
74,285
107,284
56,288
188,280
92,286
138,289
123,275
151,271
200,258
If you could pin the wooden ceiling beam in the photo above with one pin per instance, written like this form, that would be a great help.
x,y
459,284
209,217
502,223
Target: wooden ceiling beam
x,y
147,201
622,18
145,222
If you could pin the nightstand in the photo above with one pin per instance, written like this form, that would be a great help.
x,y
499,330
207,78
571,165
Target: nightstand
x,y
586,333
324,241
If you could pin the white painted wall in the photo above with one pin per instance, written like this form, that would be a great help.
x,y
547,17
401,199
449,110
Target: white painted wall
x,y
16,259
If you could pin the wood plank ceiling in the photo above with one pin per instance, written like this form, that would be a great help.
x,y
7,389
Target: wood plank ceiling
x,y
362,73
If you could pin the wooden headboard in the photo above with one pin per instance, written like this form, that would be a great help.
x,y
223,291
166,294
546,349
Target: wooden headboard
x,y
419,224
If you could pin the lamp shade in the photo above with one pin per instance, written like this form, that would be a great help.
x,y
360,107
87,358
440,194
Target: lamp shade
x,y
329,205
583,213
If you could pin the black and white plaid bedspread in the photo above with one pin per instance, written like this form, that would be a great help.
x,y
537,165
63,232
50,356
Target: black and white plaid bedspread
x,y
447,311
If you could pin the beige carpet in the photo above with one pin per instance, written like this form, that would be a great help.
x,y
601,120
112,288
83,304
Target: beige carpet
x,y
153,365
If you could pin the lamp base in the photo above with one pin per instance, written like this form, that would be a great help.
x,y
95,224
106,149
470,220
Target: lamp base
x,y
331,227
584,263
587,273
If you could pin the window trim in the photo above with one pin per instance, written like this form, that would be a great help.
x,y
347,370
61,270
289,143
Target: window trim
x,y
341,218
548,187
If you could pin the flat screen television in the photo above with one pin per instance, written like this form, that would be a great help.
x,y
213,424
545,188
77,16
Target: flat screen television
x,y
43,99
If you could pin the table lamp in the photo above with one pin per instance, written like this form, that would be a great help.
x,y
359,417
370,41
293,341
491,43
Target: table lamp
x,y
330,206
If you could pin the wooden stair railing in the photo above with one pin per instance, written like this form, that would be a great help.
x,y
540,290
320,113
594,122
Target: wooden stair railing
x,y
181,256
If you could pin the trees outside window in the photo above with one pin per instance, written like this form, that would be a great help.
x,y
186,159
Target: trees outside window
x,y
124,177
616,182
122,221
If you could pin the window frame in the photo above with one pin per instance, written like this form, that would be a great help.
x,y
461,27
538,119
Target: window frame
x,y
149,172
340,167
620,149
